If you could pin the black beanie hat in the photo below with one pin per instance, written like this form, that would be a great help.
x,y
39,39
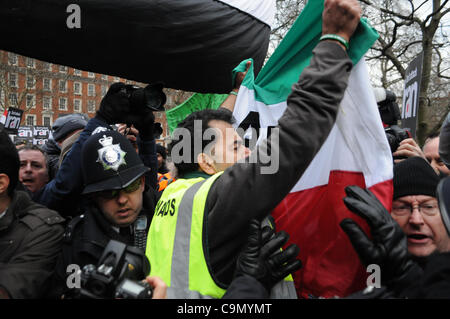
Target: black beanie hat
x,y
414,176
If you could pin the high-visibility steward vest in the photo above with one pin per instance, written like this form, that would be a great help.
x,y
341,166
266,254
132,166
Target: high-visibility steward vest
x,y
175,243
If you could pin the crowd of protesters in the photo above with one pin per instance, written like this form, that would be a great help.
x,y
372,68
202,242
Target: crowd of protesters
x,y
203,224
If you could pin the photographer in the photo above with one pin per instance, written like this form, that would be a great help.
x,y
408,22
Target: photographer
x,y
400,141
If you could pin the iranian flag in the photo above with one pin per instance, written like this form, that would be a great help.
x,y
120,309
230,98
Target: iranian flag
x,y
355,153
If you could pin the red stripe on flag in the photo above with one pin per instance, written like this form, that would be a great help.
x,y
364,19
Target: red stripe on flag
x,y
311,217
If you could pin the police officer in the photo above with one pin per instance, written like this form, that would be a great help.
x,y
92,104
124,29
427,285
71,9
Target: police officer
x,y
118,207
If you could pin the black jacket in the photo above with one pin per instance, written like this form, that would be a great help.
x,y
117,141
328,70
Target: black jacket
x,y
30,241
86,237
430,279
246,287
242,193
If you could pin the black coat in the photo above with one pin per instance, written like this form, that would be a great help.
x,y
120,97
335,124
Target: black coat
x,y
30,241
86,237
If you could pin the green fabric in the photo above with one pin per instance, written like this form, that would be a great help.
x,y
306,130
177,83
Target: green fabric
x,y
196,102
195,175
274,82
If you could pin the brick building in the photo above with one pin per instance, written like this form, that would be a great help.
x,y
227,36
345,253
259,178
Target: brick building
x,y
46,91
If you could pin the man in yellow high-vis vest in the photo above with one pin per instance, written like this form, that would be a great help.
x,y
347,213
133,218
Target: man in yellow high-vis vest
x,y
202,219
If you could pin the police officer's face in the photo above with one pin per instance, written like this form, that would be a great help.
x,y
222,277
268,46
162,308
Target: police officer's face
x,y
33,169
123,209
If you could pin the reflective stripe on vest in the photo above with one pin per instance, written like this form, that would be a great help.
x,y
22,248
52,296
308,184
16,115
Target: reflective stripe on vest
x,y
175,240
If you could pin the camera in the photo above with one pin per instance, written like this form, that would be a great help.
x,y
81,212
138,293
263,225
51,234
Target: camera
x,y
151,97
395,135
390,114
117,274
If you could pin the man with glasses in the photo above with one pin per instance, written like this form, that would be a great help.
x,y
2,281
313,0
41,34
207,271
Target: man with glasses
x,y
415,207
404,243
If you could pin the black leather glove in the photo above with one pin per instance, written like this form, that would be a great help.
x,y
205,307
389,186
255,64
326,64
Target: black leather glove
x,y
145,125
115,106
389,246
262,258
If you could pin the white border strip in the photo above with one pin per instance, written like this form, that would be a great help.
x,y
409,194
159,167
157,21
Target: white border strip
x,y
263,10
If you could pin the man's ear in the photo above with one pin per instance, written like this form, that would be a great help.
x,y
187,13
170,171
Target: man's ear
x,y
206,164
4,183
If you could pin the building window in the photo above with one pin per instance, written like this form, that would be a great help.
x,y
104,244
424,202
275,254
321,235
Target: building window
x,y
12,97
63,69
13,80
30,82
91,90
77,72
91,106
47,103
30,101
47,66
12,58
77,88
62,104
116,79
77,105
47,84
104,89
91,74
30,63
31,119
46,120
104,77
62,86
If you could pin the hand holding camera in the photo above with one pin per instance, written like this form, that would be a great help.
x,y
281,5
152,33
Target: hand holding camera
x,y
133,105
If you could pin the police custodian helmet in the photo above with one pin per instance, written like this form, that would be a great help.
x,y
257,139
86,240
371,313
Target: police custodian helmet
x,y
109,162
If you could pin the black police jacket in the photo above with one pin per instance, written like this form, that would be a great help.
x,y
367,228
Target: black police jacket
x,y
85,239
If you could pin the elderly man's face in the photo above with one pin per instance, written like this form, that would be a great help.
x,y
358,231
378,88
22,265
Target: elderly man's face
x,y
33,169
424,228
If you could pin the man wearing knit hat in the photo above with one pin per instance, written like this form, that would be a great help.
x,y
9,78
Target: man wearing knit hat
x,y
404,241
415,207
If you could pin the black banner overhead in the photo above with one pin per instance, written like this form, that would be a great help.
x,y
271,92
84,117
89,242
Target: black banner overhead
x,y
191,45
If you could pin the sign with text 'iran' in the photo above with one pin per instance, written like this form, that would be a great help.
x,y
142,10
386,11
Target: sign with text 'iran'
x,y
11,119
410,105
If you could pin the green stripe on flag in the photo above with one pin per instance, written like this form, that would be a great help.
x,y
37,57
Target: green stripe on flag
x,y
282,70
196,102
